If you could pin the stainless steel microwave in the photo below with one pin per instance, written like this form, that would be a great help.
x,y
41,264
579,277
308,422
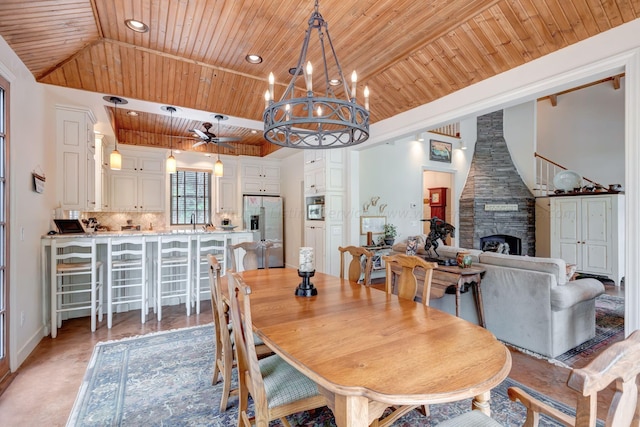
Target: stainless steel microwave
x,y
315,212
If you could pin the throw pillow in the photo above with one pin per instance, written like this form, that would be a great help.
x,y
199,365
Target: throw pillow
x,y
571,272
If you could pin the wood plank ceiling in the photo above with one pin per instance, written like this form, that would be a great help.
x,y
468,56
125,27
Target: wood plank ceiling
x,y
408,52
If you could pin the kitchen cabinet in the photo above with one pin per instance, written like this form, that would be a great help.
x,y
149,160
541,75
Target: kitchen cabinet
x,y
588,231
314,237
324,170
260,178
141,183
325,174
75,169
227,190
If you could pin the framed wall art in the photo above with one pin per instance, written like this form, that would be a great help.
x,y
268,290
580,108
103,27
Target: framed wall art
x,y
373,224
440,151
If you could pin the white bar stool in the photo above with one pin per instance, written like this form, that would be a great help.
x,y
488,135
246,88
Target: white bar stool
x,y
127,275
76,280
207,244
174,270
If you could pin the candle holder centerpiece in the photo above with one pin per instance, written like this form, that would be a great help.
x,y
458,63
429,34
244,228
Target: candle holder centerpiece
x,y
306,270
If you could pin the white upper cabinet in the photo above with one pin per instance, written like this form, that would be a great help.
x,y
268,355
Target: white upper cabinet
x,y
324,171
260,176
75,148
141,183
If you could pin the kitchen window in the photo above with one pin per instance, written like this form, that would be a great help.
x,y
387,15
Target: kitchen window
x,y
190,197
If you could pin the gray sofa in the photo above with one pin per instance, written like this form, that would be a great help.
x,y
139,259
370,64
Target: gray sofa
x,y
528,301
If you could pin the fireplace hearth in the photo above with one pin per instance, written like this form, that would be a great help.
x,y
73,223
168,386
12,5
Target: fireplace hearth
x,y
495,201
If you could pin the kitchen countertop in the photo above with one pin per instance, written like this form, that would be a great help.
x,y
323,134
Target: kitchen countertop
x,y
142,233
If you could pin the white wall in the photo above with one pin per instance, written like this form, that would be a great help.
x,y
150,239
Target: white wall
x,y
394,172
585,132
32,147
520,135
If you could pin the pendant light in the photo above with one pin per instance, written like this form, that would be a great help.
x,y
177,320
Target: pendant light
x,y
218,168
115,159
171,161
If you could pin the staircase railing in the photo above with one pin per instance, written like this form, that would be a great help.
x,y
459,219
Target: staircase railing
x,y
546,170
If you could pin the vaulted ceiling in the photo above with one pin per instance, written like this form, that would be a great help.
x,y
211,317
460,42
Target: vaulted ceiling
x,y
408,52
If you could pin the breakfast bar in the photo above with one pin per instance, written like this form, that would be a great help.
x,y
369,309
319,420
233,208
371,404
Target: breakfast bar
x,y
101,239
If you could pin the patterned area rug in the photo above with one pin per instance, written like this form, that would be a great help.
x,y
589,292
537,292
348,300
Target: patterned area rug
x,y
609,329
165,379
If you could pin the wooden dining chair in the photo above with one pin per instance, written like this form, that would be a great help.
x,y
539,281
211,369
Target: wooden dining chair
x,y
277,388
252,253
401,276
356,270
224,359
223,363
619,364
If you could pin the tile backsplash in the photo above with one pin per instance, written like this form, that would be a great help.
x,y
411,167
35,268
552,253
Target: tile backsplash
x,y
115,220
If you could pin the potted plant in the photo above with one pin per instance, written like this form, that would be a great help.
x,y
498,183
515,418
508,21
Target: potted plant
x,y
390,233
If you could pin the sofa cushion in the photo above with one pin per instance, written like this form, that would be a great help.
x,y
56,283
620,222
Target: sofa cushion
x,y
555,266
575,291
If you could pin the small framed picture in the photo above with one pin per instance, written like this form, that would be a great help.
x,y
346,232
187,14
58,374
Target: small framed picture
x,y
440,151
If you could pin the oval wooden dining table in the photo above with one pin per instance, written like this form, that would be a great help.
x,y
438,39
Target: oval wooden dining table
x,y
368,350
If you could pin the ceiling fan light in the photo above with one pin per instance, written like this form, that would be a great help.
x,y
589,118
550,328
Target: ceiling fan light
x,y
115,160
171,164
218,168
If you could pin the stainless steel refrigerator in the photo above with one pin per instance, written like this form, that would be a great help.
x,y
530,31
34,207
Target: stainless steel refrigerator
x,y
263,215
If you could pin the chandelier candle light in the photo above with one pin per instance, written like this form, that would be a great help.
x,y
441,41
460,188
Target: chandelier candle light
x,y
306,270
316,120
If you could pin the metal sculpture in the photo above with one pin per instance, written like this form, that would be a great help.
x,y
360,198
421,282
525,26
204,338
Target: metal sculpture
x,y
439,231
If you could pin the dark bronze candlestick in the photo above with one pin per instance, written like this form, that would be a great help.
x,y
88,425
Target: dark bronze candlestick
x,y
306,288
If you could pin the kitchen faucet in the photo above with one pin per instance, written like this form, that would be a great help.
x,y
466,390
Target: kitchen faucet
x,y
193,221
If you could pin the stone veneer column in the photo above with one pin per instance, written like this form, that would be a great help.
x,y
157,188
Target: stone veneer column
x,y
494,180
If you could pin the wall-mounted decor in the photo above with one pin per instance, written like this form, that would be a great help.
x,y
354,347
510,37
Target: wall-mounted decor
x,y
440,151
373,224
38,182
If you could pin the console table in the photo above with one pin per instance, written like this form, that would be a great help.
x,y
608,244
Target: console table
x,y
446,276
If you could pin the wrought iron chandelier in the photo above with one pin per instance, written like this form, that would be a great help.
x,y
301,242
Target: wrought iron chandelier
x,y
317,120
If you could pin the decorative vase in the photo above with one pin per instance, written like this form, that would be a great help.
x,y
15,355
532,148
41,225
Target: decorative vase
x,y
389,241
463,259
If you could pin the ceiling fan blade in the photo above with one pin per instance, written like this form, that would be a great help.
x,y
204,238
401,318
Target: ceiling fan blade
x,y
199,143
201,134
222,144
228,138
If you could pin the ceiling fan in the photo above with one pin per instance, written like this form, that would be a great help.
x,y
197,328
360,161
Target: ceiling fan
x,y
207,137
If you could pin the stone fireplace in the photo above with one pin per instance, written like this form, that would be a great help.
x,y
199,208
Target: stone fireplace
x,y
496,207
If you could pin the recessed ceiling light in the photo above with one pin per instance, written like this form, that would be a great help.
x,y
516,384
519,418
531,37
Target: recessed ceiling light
x,y
335,82
136,25
253,59
132,113
207,155
176,151
253,131
292,71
